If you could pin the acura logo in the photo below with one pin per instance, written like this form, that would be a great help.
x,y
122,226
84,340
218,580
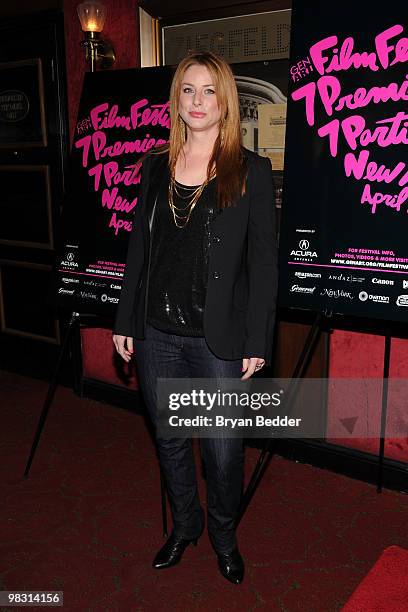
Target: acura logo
x,y
304,245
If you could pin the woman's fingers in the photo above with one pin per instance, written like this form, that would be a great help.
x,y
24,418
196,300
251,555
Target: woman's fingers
x,y
251,365
248,366
124,346
129,342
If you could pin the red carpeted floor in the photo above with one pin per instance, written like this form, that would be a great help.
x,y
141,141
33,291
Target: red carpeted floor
x,y
386,585
88,522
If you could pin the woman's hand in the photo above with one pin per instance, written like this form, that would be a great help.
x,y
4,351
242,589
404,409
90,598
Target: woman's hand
x,y
124,346
251,365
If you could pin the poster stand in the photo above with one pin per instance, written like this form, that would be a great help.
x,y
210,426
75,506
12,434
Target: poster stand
x,y
73,325
271,444
72,329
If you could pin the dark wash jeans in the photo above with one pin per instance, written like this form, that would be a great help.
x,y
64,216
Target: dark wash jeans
x,y
164,355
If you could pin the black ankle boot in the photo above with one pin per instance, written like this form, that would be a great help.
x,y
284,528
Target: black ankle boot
x,y
170,554
231,566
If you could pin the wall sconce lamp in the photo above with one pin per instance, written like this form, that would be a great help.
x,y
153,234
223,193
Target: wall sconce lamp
x,y
98,52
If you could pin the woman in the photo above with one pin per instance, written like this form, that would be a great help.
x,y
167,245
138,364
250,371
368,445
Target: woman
x,y
199,291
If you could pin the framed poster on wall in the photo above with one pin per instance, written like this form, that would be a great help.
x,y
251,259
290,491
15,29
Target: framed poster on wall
x,y
262,90
22,108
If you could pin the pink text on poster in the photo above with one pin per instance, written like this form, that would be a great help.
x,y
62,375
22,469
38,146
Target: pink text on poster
x,y
100,155
329,58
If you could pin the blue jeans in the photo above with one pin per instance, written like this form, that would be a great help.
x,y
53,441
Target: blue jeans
x,y
164,355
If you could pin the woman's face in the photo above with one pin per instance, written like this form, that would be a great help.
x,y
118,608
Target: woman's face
x,y
198,105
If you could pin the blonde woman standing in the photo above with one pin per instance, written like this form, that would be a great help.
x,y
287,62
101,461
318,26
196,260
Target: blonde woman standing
x,y
199,292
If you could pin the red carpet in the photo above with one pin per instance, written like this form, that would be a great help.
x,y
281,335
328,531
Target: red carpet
x,y
385,588
87,521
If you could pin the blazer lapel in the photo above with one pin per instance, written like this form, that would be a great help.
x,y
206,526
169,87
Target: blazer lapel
x,y
159,175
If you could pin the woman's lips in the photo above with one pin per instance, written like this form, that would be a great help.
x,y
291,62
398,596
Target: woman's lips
x,y
197,115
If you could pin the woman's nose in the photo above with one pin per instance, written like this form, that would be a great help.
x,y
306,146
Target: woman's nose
x,y
197,99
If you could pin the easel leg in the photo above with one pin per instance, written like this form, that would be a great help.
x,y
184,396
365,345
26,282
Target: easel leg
x,y
271,444
163,503
76,357
384,405
51,391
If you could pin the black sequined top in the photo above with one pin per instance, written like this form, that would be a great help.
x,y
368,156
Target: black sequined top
x,y
179,263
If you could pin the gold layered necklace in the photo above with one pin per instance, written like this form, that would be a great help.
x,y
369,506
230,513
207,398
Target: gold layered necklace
x,y
181,215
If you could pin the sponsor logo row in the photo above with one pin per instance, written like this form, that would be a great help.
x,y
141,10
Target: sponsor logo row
x,y
90,283
350,278
87,295
363,296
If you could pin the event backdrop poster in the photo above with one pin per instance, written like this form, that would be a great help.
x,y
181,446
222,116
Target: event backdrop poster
x,y
122,114
343,239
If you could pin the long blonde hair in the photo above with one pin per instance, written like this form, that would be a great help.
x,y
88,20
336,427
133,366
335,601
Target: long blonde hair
x,y
227,155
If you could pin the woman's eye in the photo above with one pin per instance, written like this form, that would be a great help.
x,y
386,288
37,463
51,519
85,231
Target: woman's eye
x,y
187,90
209,91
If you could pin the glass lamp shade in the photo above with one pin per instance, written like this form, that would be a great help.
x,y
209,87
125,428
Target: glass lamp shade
x,y
92,16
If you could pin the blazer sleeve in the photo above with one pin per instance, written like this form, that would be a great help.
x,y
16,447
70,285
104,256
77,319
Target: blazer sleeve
x,y
262,262
124,319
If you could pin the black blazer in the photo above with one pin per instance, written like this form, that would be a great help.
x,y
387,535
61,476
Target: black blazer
x,y
239,313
